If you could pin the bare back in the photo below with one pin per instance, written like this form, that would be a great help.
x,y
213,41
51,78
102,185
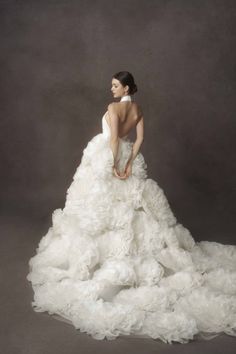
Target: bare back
x,y
129,114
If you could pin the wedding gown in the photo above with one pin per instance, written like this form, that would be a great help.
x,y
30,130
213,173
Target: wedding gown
x,y
117,262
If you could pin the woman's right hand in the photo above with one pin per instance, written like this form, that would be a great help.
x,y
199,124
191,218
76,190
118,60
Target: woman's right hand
x,y
119,174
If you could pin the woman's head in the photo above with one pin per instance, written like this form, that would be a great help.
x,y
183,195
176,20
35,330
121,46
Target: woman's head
x,y
123,84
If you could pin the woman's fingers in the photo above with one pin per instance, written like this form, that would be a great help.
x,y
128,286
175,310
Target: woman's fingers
x,y
122,175
116,173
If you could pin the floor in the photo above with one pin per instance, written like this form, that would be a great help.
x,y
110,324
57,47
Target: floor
x,y
24,331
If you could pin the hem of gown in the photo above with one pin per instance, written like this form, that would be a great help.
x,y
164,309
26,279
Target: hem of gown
x,y
204,336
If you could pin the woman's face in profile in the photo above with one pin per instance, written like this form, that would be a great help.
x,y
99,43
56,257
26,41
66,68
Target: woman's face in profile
x,y
118,89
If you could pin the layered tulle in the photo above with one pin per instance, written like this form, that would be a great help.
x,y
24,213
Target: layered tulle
x,y
116,261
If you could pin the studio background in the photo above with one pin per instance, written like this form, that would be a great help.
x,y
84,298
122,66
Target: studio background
x,y
57,59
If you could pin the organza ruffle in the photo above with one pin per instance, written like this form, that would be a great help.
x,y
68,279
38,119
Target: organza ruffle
x,y
116,261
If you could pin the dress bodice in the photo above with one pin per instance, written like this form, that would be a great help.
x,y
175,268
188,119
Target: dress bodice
x,y
106,129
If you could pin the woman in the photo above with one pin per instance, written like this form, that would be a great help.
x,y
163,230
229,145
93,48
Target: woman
x,y
116,261
122,117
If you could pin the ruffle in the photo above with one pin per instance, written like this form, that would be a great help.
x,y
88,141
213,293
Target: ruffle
x,y
117,262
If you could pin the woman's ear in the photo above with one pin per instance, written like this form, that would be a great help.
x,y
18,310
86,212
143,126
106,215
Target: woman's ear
x,y
127,89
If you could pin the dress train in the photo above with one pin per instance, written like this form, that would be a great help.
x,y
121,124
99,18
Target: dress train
x,y
116,261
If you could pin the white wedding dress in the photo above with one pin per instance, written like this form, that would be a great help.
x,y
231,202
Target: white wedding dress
x,y
117,262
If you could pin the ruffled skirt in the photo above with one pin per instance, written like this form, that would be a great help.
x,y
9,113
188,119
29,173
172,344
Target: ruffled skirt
x,y
116,261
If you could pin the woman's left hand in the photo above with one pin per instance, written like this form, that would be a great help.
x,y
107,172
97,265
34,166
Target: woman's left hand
x,y
120,175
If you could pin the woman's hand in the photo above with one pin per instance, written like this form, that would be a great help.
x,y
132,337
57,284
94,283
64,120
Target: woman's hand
x,y
120,175
126,173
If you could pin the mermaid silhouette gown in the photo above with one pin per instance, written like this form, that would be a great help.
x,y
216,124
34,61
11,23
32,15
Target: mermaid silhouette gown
x,y
117,262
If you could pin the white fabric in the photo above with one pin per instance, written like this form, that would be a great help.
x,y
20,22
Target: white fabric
x,y
126,98
116,261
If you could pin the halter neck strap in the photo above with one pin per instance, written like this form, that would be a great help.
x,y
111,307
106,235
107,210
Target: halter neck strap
x,y
126,98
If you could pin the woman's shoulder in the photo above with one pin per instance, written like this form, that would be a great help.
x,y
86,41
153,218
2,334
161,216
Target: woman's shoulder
x,y
112,105
116,107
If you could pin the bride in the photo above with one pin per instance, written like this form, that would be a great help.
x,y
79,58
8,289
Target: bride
x,y
116,261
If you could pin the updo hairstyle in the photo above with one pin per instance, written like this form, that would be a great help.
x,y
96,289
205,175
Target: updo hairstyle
x,y
126,78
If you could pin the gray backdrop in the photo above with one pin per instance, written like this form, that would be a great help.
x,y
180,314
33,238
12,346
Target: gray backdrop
x,y
57,61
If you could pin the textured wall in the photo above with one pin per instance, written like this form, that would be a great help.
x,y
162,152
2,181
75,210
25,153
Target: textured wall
x,y
57,61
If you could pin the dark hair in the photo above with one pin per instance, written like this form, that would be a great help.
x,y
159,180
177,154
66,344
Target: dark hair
x,y
126,78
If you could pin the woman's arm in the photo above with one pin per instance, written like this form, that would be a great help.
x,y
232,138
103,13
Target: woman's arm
x,y
135,148
114,125
139,140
